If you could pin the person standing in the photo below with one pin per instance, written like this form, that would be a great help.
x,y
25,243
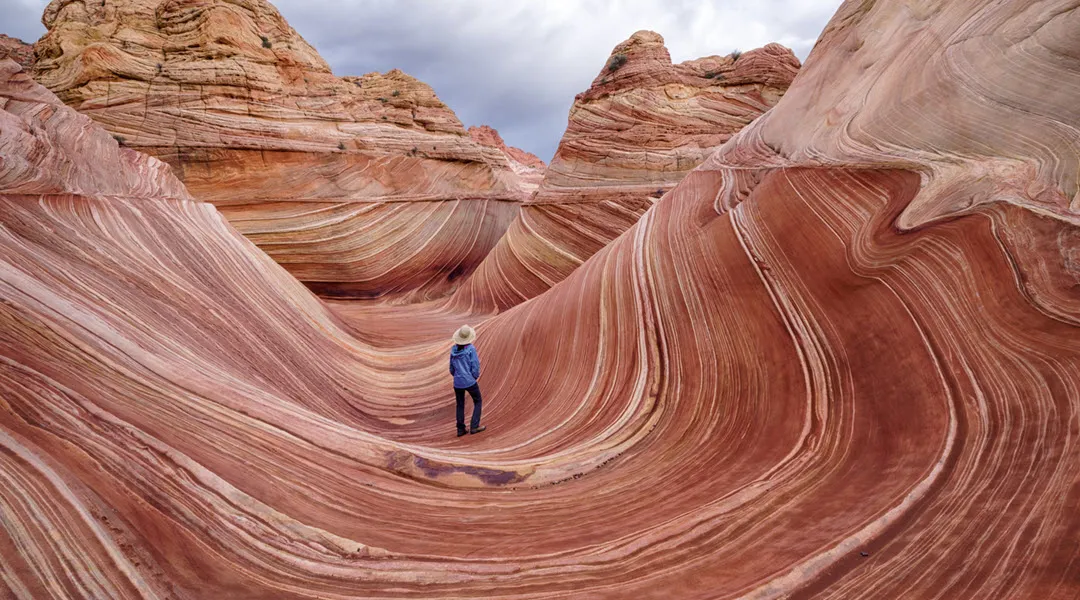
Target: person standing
x,y
465,368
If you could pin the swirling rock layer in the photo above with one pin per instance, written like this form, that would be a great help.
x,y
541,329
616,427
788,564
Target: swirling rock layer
x,y
836,360
359,186
636,132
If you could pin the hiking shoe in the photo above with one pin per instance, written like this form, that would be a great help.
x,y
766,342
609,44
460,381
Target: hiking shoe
x,y
478,429
461,432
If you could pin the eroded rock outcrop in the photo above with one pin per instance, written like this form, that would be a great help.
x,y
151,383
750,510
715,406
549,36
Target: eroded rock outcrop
x,y
527,165
840,359
359,186
636,132
16,50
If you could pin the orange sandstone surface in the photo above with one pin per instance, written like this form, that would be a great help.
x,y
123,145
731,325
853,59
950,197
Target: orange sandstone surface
x,y
359,186
839,359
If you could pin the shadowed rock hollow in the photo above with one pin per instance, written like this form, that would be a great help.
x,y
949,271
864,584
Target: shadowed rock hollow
x,y
840,359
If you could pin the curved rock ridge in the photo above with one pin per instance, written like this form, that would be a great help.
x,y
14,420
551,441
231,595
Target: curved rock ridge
x,y
359,186
935,125
636,132
17,50
44,147
806,371
527,165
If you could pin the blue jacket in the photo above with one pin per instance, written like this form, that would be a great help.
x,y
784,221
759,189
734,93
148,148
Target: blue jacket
x,y
464,366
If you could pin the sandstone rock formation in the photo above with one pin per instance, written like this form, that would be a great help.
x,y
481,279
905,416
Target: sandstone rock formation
x,y
528,166
636,132
359,186
17,50
840,359
46,148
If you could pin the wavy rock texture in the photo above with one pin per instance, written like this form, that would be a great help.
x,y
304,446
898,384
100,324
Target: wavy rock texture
x,y
17,50
860,334
49,149
636,132
527,165
359,186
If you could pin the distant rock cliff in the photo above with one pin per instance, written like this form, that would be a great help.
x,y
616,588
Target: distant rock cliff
x,y
635,133
527,165
17,50
361,186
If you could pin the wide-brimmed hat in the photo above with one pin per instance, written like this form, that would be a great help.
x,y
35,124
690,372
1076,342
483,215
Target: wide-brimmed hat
x,y
464,335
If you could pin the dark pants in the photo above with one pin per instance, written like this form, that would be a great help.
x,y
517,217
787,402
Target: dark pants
x,y
477,402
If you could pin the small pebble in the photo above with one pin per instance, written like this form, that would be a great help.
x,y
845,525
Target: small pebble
x,y
864,554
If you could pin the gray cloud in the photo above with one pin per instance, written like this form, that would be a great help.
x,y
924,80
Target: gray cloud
x,y
515,65
22,18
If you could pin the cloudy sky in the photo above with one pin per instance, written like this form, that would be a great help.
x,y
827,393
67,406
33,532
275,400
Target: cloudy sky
x,y
514,64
